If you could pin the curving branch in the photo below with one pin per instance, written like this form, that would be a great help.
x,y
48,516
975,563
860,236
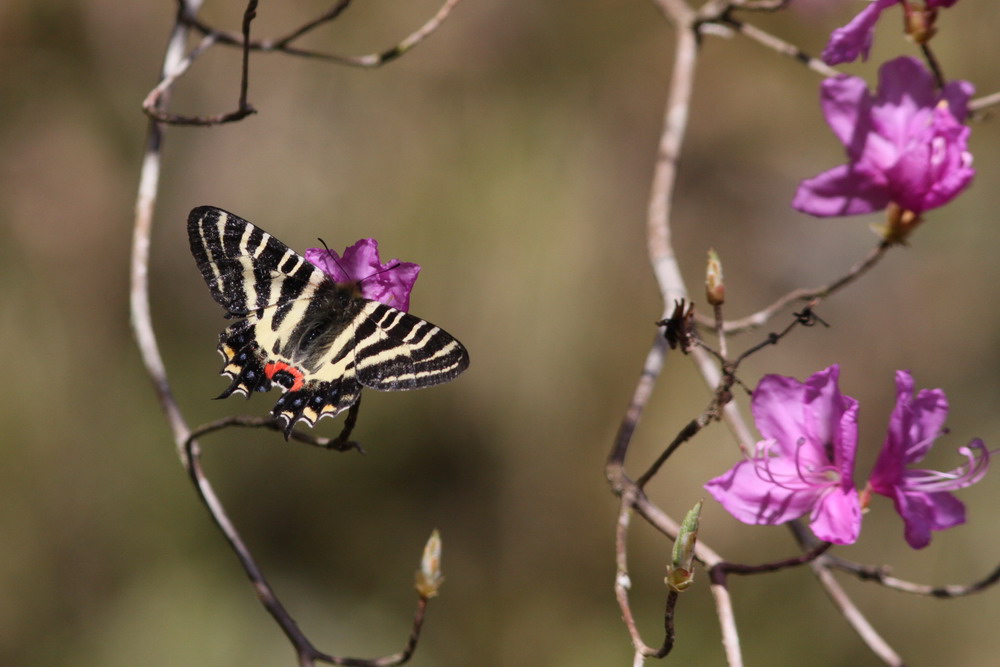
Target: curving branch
x,y
175,64
152,107
284,44
187,16
810,295
880,575
304,649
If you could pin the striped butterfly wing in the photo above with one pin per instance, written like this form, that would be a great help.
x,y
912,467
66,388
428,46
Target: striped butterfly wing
x,y
317,340
397,351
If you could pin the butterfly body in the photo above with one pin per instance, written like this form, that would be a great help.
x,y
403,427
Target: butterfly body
x,y
319,341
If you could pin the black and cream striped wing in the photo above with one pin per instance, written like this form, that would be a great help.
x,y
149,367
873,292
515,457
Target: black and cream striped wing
x,y
317,340
246,268
395,351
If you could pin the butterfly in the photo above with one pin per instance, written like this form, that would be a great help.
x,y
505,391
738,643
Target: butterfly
x,y
318,340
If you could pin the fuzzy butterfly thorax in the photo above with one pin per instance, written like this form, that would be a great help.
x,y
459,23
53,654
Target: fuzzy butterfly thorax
x,y
318,340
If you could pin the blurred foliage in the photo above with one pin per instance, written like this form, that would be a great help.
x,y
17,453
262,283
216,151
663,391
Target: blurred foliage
x,y
510,155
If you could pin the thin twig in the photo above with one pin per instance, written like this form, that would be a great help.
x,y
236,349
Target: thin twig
x,y
780,46
726,568
640,397
985,102
691,429
720,332
152,104
623,584
760,5
864,629
262,588
149,177
881,575
814,294
243,110
327,16
806,318
727,623
934,64
307,653
854,617
339,443
283,44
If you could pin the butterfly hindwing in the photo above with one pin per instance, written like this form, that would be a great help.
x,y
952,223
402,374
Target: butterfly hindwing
x,y
317,340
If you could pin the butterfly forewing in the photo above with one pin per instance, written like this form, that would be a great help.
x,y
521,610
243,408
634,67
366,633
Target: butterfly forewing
x,y
317,340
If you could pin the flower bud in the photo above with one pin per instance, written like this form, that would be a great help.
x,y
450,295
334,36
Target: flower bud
x,y
899,224
680,572
428,577
920,25
715,288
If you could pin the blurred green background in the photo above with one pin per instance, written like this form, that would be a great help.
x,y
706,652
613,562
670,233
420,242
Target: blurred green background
x,y
511,156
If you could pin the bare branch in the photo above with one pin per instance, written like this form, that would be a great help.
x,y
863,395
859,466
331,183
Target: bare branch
x,y
880,574
813,295
725,568
623,584
243,110
779,45
307,653
854,617
984,102
934,64
640,397
340,443
284,44
327,16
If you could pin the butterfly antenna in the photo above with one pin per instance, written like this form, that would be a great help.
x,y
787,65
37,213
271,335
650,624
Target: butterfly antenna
x,y
337,261
333,255
380,271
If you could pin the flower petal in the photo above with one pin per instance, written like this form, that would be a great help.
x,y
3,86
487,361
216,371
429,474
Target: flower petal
x,y
824,406
924,512
754,500
843,190
855,38
957,94
846,105
837,517
777,411
389,283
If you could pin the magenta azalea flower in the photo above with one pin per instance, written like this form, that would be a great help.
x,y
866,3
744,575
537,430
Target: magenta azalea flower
x,y
906,145
855,38
805,464
389,283
922,497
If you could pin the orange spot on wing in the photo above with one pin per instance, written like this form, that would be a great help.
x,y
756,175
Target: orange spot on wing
x,y
274,367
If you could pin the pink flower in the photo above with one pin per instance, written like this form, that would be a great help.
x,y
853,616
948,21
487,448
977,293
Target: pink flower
x,y
855,38
905,146
805,464
922,497
389,283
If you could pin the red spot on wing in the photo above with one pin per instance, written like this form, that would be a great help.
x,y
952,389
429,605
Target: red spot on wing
x,y
274,367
